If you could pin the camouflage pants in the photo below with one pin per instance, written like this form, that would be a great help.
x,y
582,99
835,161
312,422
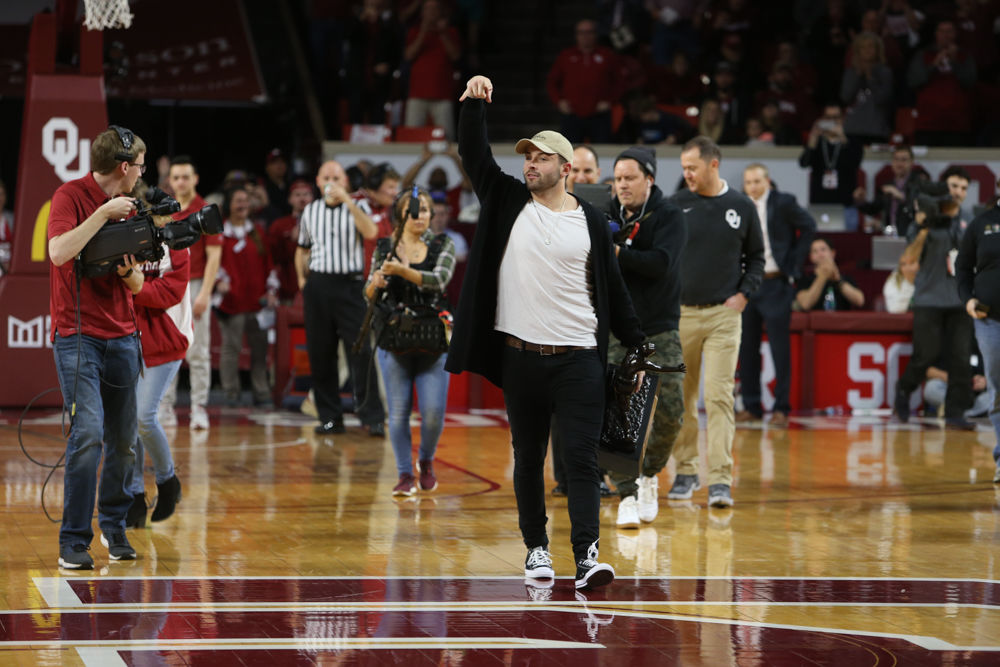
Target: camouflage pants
x,y
669,413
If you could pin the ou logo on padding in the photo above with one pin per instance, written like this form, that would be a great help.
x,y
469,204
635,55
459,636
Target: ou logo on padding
x,y
62,145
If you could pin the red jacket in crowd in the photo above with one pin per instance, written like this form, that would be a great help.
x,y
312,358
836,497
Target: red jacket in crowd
x,y
163,308
584,79
246,265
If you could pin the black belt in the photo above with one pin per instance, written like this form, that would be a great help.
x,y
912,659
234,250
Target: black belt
x,y
544,350
702,305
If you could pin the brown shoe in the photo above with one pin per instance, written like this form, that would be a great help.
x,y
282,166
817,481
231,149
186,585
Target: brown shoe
x,y
779,420
744,416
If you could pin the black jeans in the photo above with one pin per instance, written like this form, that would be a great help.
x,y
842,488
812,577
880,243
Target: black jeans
x,y
570,388
942,333
334,309
770,305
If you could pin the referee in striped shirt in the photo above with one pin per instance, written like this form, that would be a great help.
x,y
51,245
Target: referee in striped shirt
x,y
330,262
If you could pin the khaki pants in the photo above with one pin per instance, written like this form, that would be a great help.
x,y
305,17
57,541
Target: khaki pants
x,y
710,338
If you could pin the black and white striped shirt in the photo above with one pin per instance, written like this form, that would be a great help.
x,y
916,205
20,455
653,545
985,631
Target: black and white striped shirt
x,y
334,242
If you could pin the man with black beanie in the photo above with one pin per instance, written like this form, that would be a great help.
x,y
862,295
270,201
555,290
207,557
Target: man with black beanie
x,y
722,265
648,246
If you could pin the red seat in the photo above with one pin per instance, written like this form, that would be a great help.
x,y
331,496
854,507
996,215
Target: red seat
x,y
419,135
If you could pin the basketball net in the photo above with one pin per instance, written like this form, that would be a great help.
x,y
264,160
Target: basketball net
x,y
103,14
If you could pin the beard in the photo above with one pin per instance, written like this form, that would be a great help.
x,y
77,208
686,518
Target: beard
x,y
543,182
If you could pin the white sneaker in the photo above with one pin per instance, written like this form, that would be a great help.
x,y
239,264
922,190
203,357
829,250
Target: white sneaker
x,y
538,564
648,503
199,418
167,417
628,514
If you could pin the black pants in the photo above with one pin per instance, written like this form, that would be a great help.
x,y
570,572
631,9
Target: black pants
x,y
942,333
570,388
770,305
334,309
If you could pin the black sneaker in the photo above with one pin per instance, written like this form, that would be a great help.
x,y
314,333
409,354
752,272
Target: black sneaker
x,y
376,430
590,573
75,557
168,495
958,424
118,546
538,564
901,406
330,428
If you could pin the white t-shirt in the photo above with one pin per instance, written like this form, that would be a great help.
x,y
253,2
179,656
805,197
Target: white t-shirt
x,y
543,294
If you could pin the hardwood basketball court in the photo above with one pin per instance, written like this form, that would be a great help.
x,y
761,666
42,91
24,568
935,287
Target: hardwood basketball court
x,y
853,541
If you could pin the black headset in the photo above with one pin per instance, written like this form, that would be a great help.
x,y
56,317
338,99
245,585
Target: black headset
x,y
399,217
127,138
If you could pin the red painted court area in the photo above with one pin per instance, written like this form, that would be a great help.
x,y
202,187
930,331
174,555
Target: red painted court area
x,y
477,621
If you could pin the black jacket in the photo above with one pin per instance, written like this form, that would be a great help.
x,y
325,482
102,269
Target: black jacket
x,y
475,345
650,263
790,231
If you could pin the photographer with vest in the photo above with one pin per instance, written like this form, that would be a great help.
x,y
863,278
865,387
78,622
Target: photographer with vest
x,y
940,321
410,271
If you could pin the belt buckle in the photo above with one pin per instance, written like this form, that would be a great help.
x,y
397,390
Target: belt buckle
x,y
546,350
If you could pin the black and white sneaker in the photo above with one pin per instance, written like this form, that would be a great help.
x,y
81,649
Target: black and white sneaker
x,y
75,557
538,564
118,546
592,574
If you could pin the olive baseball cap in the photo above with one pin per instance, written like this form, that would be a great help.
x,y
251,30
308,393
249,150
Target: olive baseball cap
x,y
547,141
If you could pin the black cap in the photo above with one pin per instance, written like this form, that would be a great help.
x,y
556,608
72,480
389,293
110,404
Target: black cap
x,y
645,156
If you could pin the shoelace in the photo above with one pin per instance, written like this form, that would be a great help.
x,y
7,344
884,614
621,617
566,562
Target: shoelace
x,y
587,563
117,540
538,557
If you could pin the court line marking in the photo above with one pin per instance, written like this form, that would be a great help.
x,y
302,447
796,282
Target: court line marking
x,y
926,642
445,605
490,577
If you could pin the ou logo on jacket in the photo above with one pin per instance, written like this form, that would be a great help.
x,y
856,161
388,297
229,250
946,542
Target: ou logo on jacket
x,y
733,218
62,145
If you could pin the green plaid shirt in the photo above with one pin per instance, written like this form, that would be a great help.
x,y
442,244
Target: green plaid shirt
x,y
434,280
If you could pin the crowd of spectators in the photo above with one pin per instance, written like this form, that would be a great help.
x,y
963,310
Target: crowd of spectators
x,y
647,61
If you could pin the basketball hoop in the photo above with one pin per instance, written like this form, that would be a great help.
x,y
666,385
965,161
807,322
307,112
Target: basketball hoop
x,y
103,14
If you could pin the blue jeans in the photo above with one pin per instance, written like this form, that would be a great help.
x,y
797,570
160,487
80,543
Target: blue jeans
x,y
98,377
152,385
988,337
401,373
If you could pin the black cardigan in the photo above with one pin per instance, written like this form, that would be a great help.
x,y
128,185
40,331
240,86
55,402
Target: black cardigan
x,y
475,345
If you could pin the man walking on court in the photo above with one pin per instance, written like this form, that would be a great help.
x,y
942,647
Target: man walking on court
x,y
787,230
649,245
722,265
542,291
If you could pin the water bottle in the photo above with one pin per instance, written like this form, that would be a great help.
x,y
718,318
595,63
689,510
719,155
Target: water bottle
x,y
829,300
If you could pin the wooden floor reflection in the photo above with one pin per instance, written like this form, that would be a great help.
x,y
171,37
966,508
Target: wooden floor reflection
x,y
853,541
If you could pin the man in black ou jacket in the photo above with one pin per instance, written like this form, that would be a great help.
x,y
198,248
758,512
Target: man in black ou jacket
x,y
787,231
648,246
541,294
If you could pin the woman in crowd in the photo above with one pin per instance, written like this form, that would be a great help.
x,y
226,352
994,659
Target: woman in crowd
x,y
413,268
977,269
866,91
245,288
898,289
163,313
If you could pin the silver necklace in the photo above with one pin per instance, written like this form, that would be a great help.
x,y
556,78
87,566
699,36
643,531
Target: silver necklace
x,y
546,230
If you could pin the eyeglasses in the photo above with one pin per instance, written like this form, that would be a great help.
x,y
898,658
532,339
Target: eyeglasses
x,y
142,167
